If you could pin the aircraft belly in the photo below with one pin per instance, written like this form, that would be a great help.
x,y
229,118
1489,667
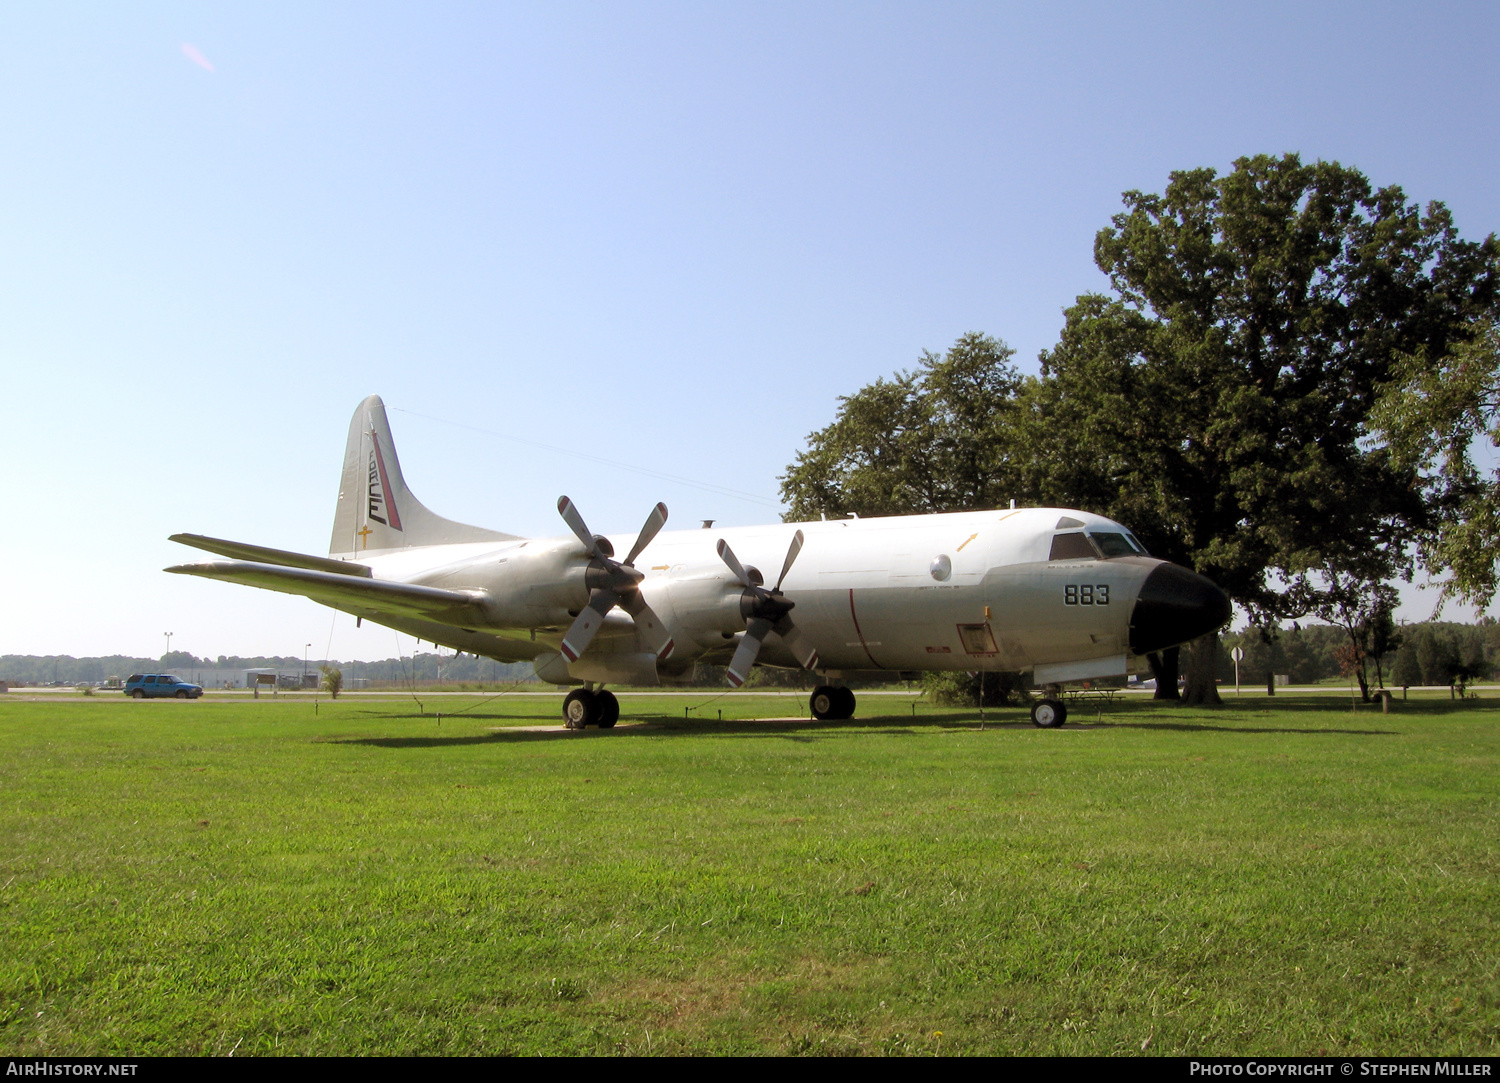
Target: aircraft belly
x,y
502,648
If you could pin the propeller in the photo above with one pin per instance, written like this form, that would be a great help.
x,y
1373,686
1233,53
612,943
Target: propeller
x,y
613,583
765,611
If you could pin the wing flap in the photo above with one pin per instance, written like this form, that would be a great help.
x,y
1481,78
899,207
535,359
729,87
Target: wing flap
x,y
260,554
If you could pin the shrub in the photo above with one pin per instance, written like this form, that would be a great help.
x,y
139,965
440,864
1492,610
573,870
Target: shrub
x,y
962,689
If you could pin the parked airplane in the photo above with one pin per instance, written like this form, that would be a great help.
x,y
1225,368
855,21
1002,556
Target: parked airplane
x,y
1064,595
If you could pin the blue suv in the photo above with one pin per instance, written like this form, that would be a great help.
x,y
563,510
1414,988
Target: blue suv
x,y
142,685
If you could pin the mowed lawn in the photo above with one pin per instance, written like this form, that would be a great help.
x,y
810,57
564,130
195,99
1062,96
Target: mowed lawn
x,y
1281,876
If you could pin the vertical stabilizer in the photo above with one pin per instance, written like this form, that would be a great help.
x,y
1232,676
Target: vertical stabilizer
x,y
376,511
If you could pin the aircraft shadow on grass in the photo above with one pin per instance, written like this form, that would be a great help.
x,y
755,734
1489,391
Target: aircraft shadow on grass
x,y
794,730
813,730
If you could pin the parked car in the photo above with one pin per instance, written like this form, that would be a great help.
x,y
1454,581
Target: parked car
x,y
144,685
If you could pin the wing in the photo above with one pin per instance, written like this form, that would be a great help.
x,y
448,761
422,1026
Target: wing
x,y
353,593
262,555
450,617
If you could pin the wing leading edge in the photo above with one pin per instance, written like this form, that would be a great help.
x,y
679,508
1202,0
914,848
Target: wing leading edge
x,y
451,617
260,554
357,594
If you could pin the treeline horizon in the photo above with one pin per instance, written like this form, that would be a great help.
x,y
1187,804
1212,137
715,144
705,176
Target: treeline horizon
x,y
1427,653
424,666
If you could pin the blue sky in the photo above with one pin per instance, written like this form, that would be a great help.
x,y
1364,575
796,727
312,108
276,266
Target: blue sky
x,y
660,235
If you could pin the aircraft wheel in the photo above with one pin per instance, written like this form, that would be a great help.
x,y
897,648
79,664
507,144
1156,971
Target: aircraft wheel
x,y
845,699
824,702
137,694
1048,714
580,709
609,709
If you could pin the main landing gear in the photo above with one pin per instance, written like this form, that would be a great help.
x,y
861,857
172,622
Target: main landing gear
x,y
587,707
828,702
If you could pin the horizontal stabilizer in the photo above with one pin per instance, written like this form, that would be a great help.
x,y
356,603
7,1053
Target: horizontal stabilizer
x,y
260,554
353,594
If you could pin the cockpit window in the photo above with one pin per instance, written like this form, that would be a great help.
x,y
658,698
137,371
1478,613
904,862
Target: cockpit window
x,y
1073,546
1111,544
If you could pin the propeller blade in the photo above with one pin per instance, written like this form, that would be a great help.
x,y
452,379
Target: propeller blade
x,y
797,643
791,555
726,554
654,522
588,622
576,524
648,624
744,654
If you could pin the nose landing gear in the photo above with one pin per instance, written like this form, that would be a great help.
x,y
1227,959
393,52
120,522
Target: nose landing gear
x,y
1048,714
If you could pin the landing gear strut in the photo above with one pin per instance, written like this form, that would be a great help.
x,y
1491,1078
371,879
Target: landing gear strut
x,y
584,707
828,702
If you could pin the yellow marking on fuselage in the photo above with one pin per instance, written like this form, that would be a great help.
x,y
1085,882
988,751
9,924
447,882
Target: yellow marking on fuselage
x,y
364,535
967,540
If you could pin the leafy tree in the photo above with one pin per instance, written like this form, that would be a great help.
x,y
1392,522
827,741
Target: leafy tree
x,y
1217,400
935,439
1406,671
333,680
1364,610
1433,414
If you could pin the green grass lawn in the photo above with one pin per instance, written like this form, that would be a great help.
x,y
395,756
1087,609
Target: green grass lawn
x,y
1274,877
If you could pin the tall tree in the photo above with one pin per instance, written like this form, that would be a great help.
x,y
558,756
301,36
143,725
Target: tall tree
x,y
1216,402
935,439
1433,414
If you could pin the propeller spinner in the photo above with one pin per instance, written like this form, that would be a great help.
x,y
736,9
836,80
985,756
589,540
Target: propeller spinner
x,y
613,583
765,611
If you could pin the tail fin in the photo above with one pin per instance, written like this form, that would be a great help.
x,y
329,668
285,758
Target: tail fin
x,y
376,511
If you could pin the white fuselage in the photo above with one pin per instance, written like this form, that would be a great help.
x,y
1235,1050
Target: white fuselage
x,y
967,591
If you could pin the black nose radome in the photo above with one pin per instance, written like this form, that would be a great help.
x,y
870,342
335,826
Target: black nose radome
x,y
1174,606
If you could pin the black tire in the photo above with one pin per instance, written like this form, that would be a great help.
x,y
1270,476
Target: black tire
x,y
580,709
824,702
609,709
138,694
1048,714
845,698
183,694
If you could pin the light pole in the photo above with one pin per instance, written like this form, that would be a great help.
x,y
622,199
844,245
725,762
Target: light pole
x,y
305,649
169,644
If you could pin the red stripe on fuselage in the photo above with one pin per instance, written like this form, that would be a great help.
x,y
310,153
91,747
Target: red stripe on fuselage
x,y
861,634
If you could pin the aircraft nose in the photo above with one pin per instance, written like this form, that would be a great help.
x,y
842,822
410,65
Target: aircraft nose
x,y
1174,606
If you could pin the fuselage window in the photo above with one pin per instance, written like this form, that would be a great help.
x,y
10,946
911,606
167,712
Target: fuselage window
x,y
1073,546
